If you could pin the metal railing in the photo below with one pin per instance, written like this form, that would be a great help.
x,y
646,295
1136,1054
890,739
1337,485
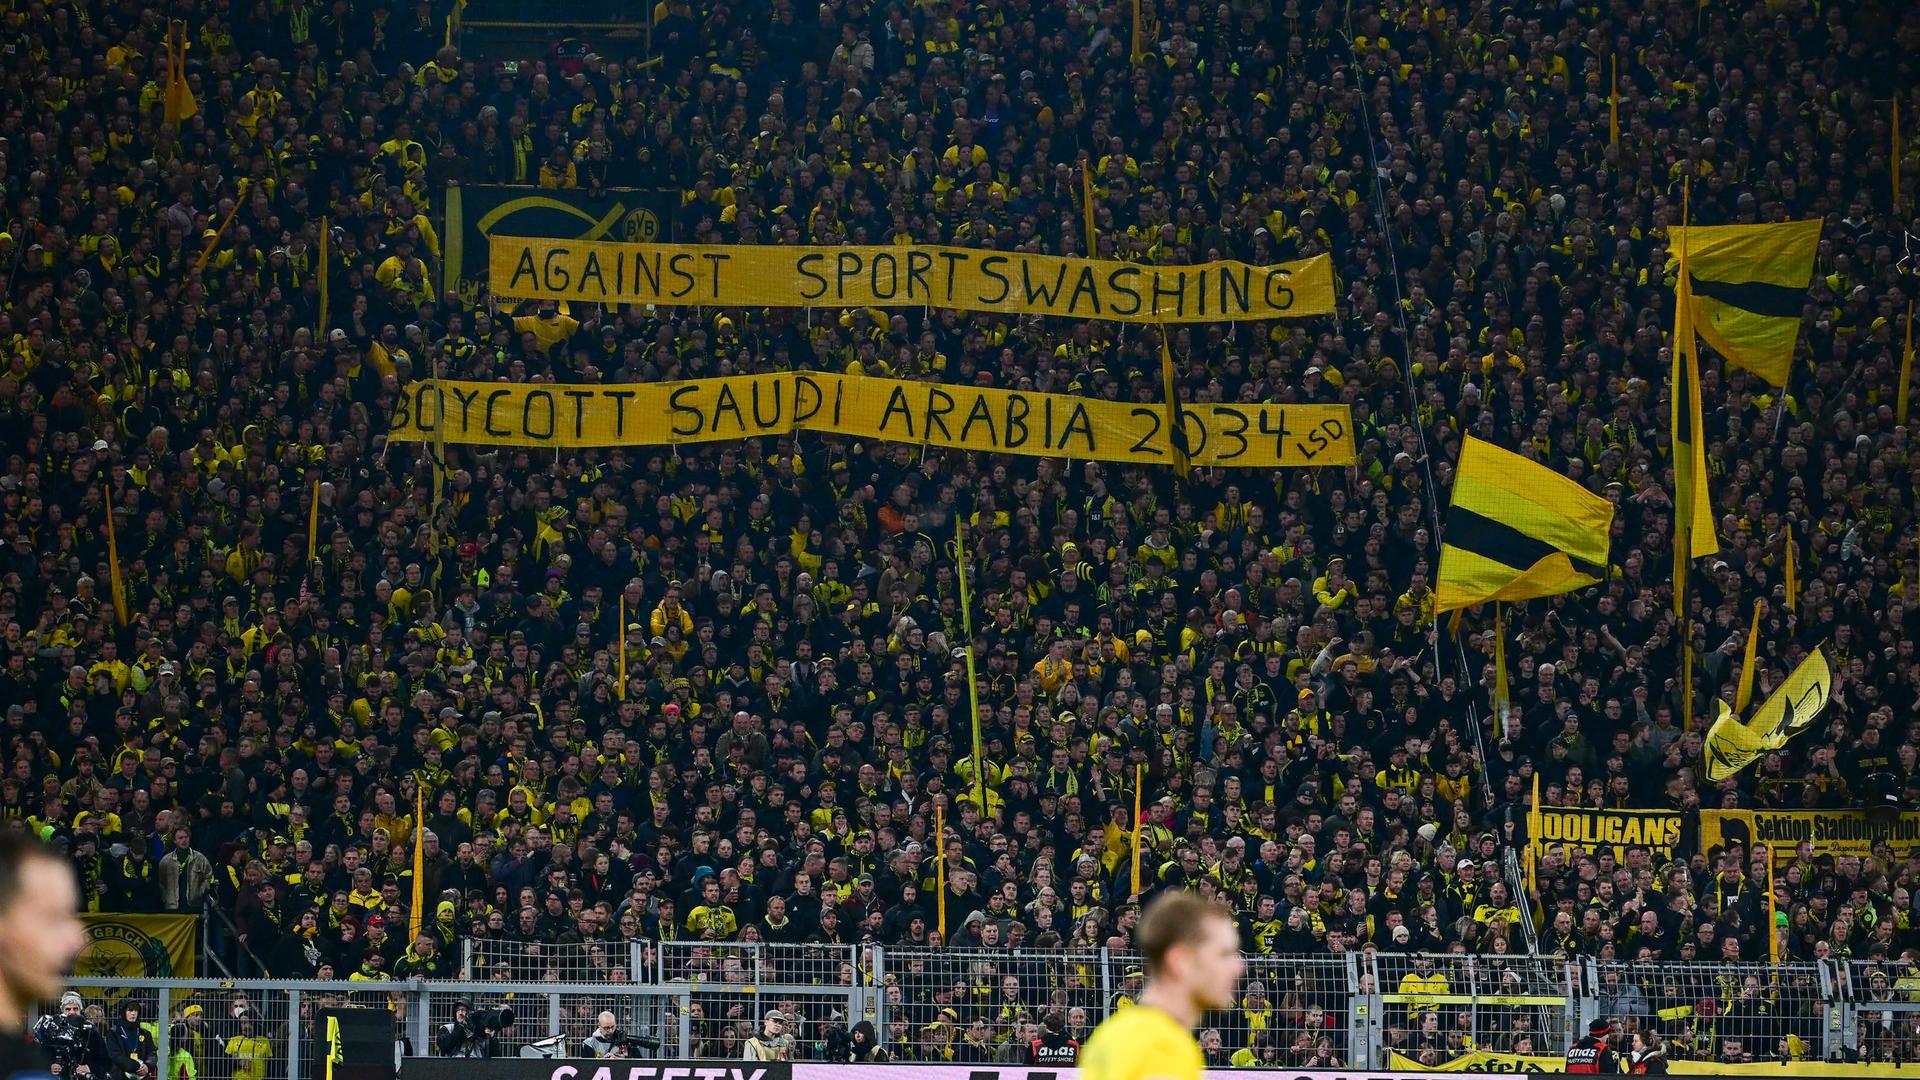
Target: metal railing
x,y
1730,1012
704,999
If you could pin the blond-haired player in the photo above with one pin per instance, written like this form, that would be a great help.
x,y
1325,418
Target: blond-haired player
x,y
1193,964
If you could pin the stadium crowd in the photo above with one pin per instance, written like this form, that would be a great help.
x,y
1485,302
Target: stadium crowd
x,y
1316,747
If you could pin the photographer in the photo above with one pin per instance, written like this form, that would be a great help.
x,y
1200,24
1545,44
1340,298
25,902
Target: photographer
x,y
75,1046
474,1033
608,1041
860,1043
605,1042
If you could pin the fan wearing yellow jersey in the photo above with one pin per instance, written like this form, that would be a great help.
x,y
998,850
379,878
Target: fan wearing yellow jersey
x,y
1193,964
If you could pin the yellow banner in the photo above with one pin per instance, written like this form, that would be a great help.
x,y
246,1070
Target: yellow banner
x,y
138,947
968,279
1487,1061
1826,832
972,418
1591,830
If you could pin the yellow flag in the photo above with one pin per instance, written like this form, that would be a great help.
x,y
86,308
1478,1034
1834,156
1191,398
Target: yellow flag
x,y
1518,530
1906,373
1748,285
1733,744
1744,694
940,866
416,915
178,104
1693,512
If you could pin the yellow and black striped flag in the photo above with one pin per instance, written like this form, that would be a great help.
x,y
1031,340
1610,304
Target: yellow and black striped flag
x,y
1517,530
1693,534
1749,283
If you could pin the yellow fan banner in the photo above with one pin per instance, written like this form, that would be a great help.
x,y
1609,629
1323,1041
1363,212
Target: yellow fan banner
x,y
136,947
973,418
1487,1062
967,279
1825,832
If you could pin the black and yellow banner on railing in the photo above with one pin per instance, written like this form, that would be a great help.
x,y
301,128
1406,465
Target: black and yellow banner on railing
x,y
475,212
139,947
1826,832
972,418
1591,830
1488,1061
967,279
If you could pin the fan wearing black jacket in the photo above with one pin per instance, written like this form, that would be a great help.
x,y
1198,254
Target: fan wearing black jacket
x,y
1594,1053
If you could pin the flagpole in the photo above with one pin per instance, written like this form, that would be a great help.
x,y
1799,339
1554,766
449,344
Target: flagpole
x,y
1683,492
940,866
1533,835
1086,203
1744,695
313,522
620,643
419,863
114,581
1613,104
1893,165
206,253
326,274
1792,574
1906,373
1501,691
1773,913
973,682
1176,433
1139,782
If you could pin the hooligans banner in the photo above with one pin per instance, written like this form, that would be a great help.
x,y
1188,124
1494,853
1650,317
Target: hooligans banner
x,y
1827,832
968,279
972,418
1591,830
136,947
476,212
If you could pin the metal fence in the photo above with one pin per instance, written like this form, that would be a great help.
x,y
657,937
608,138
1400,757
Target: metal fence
x,y
581,962
1729,1012
703,999
1438,1006
1884,1022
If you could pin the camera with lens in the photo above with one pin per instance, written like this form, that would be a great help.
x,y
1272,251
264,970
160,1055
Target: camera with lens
x,y
66,1040
482,1022
635,1044
472,1031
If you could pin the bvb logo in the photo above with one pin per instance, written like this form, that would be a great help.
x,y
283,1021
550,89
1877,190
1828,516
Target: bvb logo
x,y
639,226
120,950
